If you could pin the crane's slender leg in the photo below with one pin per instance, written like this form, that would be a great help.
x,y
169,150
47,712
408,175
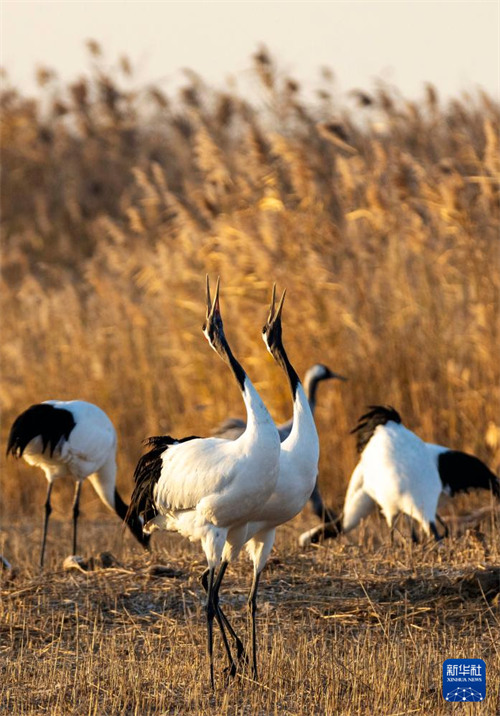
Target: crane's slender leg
x,y
443,525
223,621
48,510
392,526
210,609
434,531
76,511
252,605
319,507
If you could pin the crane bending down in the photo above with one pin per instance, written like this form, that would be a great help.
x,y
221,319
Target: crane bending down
x,y
231,428
298,469
387,448
73,438
203,487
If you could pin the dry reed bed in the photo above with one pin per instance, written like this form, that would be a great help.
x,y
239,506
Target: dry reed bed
x,y
343,630
380,216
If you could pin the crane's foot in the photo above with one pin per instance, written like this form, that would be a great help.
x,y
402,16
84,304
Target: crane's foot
x,y
230,671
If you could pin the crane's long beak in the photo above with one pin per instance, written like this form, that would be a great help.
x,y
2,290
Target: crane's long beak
x,y
213,307
271,307
275,315
337,376
213,327
271,331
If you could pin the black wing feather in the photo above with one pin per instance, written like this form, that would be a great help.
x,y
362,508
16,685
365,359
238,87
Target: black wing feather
x,y
47,421
147,473
367,423
461,472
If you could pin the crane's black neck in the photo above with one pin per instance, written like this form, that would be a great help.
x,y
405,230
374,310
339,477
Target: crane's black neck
x,y
222,347
237,369
132,520
311,388
214,332
279,354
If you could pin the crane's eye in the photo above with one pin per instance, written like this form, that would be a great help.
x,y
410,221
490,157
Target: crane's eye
x,y
264,330
204,327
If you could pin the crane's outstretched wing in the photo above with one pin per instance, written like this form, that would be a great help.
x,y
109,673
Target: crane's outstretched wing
x,y
461,472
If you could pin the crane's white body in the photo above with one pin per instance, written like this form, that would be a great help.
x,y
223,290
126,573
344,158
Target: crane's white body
x,y
396,471
401,473
89,451
298,469
211,485
232,428
435,451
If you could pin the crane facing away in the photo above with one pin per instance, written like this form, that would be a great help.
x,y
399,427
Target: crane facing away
x,y
457,472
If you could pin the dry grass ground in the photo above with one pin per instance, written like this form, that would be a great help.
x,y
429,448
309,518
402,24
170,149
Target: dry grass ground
x,y
344,628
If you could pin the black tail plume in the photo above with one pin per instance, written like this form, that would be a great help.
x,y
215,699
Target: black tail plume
x,y
147,473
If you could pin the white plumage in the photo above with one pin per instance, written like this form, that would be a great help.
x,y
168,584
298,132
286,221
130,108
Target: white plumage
x,y
232,428
91,446
207,485
71,438
396,471
399,472
204,487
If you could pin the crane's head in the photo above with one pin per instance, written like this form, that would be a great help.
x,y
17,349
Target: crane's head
x,y
271,332
321,372
213,328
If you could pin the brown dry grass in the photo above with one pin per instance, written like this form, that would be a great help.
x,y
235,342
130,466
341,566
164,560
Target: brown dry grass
x,y
382,220
344,629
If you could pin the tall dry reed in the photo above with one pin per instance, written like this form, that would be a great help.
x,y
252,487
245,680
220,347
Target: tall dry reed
x,y
380,216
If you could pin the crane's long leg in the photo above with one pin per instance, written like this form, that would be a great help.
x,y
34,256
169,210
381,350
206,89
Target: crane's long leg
x,y
319,508
434,531
76,511
392,526
252,605
210,609
443,525
48,510
223,621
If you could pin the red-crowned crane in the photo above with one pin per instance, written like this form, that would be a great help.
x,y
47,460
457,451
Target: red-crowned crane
x,y
204,487
401,473
72,438
231,428
298,469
